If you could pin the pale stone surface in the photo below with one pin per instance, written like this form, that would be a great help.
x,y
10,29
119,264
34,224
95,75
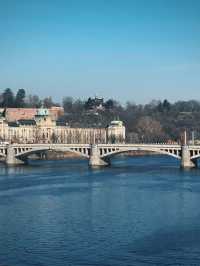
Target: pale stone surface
x,y
11,159
43,129
99,154
95,160
186,161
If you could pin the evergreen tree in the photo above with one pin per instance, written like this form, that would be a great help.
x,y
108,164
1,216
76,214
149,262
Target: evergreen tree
x,y
19,100
166,105
8,98
109,104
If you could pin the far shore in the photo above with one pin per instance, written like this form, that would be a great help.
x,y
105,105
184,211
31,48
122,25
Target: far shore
x,y
53,155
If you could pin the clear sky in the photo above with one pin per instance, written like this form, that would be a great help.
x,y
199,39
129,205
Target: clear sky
x,y
135,50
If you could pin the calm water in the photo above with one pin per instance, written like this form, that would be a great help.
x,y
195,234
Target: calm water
x,y
140,211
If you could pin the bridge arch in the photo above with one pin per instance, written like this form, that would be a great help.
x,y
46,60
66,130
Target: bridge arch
x,y
171,152
83,152
2,154
195,157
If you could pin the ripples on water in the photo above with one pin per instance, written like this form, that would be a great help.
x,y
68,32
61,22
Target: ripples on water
x,y
140,211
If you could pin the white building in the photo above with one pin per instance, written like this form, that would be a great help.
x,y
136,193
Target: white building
x,y
116,132
44,129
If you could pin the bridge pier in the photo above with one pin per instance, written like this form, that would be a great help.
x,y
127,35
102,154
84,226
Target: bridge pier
x,y
186,161
95,160
10,157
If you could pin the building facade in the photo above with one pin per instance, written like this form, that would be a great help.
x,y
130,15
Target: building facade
x,y
15,114
44,129
116,132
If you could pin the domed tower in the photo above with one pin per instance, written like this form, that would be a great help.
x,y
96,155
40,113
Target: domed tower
x,y
116,132
43,119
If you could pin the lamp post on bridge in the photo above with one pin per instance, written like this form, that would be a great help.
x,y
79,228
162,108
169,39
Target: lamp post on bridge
x,y
193,138
185,138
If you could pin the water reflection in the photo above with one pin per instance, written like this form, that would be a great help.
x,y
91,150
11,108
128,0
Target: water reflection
x,y
140,211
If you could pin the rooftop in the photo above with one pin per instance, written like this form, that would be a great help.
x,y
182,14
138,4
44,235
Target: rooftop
x,y
42,112
116,123
28,122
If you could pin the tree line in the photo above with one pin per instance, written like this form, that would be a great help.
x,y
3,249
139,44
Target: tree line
x,y
157,121
21,100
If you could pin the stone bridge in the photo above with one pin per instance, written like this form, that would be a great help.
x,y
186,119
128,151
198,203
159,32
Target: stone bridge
x,y
100,154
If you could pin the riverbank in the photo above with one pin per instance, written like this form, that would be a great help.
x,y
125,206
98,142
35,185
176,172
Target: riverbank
x,y
54,155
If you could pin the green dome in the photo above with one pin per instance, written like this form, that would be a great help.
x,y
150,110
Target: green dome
x,y
42,112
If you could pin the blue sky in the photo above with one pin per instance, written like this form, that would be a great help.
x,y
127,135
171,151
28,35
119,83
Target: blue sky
x,y
135,50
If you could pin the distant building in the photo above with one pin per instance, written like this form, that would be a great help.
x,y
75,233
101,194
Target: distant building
x,y
116,132
15,114
43,128
44,119
95,104
99,103
56,112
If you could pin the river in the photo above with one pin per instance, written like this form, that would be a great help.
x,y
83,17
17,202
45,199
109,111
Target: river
x,y
140,211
